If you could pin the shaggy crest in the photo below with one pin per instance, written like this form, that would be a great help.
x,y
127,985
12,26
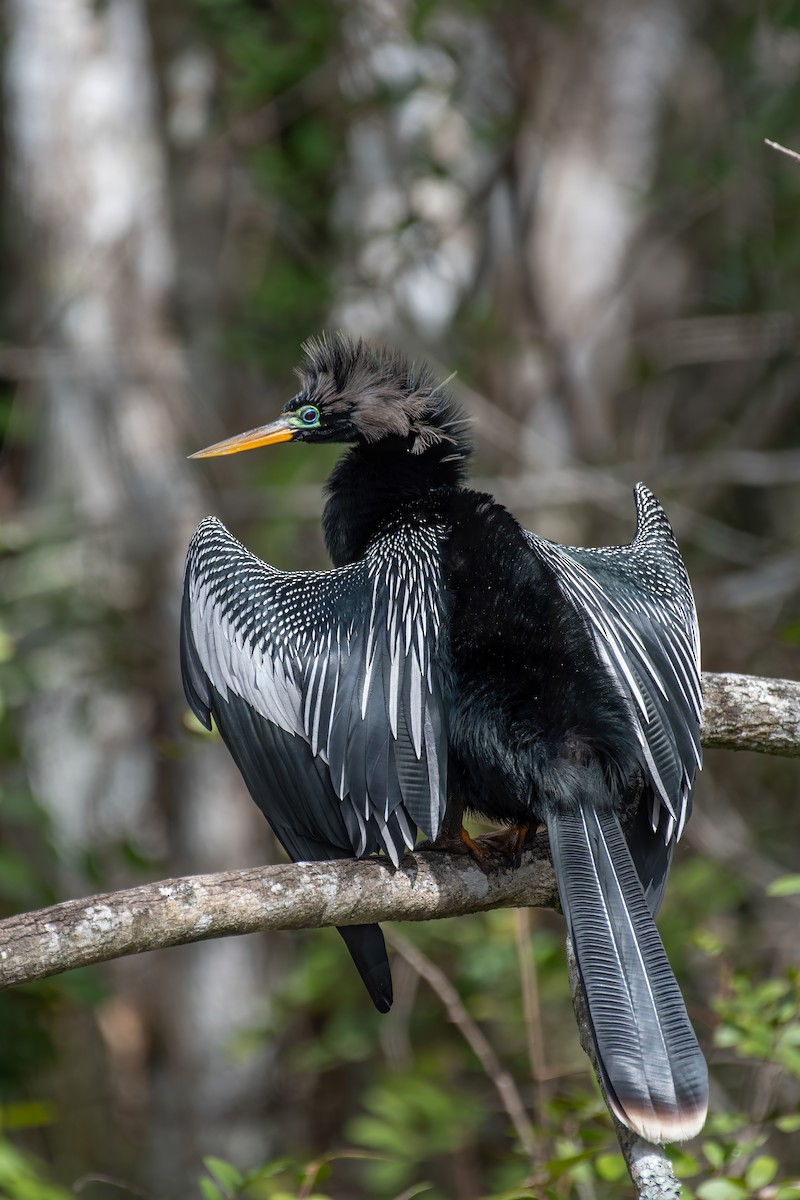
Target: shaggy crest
x,y
381,392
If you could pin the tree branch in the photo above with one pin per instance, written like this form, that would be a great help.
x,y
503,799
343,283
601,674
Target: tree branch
x,y
748,712
743,712
783,149
426,886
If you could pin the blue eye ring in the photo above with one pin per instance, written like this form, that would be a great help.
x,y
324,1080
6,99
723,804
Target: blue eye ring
x,y
308,414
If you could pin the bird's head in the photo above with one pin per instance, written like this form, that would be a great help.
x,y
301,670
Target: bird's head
x,y
353,393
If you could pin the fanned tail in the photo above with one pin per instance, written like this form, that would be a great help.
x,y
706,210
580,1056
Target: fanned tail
x,y
653,1070
368,951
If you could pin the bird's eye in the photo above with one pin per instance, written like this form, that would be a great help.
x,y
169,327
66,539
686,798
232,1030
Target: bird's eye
x,y
309,415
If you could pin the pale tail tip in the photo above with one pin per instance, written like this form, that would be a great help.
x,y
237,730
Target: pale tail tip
x,y
660,1128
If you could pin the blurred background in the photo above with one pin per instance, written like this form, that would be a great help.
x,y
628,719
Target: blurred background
x,y
571,205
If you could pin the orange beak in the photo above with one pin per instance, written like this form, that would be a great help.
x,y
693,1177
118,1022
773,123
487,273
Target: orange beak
x,y
265,435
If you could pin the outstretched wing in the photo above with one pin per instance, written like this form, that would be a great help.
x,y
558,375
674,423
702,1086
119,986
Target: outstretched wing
x,y
638,604
325,686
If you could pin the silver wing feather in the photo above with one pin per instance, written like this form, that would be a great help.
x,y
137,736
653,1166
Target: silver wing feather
x,y
342,666
638,604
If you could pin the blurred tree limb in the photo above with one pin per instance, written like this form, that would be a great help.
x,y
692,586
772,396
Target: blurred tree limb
x,y
743,712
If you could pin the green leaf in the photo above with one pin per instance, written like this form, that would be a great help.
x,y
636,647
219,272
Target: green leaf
x,y
727,1035
722,1189
210,1190
789,1123
710,943
515,1194
684,1165
762,1170
790,1191
714,1153
610,1167
557,1167
27,1114
378,1135
20,1178
6,646
227,1176
787,885
726,1124
790,633
269,1170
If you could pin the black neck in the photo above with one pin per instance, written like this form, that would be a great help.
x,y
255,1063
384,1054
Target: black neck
x,y
367,486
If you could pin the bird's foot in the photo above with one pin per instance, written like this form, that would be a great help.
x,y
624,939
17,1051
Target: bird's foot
x,y
462,843
509,842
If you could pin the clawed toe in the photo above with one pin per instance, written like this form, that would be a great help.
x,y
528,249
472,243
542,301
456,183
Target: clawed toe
x,y
509,842
462,843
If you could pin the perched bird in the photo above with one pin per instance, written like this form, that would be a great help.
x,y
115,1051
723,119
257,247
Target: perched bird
x,y
453,659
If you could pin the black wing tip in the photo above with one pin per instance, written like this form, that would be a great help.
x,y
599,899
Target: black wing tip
x,y
378,982
202,713
368,952
380,990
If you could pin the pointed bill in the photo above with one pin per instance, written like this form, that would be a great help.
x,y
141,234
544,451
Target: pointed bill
x,y
266,435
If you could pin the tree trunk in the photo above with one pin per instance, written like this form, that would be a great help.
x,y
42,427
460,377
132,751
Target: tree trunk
x,y
108,478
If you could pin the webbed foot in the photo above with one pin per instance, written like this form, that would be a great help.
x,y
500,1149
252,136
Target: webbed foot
x,y
462,843
509,842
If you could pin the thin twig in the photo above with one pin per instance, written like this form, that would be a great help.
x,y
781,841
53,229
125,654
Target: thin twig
x,y
531,1010
474,1036
783,149
95,1177
395,1034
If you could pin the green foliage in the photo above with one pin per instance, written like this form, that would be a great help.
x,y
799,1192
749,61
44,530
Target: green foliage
x,y
787,885
761,1020
26,1041
37,605
280,1179
22,1179
276,63
410,1119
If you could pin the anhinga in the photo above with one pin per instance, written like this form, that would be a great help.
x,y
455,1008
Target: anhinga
x,y
451,655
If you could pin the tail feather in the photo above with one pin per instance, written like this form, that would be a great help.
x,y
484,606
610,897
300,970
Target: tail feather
x,y
652,1067
368,951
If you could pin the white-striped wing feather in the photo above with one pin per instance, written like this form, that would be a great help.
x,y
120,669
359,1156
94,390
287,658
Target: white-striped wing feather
x,y
344,660
638,603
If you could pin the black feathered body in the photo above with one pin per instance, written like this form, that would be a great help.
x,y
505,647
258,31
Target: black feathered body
x,y
527,704
531,707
